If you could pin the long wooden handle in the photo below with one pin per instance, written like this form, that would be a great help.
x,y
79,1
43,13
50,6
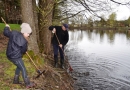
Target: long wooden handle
x,y
3,20
32,61
57,38
40,73
64,53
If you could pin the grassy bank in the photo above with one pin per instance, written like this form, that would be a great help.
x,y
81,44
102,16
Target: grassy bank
x,y
7,70
52,79
12,26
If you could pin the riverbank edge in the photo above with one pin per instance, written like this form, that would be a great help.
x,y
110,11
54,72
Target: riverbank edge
x,y
52,79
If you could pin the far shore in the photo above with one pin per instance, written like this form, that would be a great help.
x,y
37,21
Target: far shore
x,y
100,28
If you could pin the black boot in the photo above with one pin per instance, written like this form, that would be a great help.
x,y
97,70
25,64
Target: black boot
x,y
62,63
16,79
55,62
28,83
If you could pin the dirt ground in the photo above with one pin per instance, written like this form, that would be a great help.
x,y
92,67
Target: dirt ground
x,y
52,79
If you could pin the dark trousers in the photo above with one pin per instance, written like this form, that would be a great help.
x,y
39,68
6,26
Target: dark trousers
x,y
56,48
19,67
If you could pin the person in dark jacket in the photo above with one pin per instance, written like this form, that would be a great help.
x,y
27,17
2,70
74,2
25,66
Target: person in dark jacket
x,y
17,46
59,40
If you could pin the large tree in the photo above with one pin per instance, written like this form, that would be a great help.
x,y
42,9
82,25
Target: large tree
x,y
68,9
112,19
45,20
28,17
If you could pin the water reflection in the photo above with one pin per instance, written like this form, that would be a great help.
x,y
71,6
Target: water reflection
x,y
102,53
76,35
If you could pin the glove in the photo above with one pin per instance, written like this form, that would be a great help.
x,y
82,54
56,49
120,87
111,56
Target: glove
x,y
7,25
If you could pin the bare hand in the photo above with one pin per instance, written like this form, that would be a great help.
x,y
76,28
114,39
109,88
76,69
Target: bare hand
x,y
60,45
54,30
7,25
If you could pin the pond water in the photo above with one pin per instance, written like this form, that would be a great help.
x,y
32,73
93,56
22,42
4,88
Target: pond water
x,y
100,59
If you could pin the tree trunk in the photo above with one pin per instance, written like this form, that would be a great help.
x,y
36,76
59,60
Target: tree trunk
x,y
46,7
28,17
35,12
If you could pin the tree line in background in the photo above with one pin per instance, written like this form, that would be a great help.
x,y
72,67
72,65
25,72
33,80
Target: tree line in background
x,y
11,11
40,14
103,22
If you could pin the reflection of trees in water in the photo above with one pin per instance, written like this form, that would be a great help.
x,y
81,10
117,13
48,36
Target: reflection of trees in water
x,y
101,32
128,34
77,35
89,34
111,36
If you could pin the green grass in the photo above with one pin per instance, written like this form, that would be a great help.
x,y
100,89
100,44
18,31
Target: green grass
x,y
8,69
12,27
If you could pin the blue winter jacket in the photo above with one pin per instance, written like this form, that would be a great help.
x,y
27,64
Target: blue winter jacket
x,y
17,44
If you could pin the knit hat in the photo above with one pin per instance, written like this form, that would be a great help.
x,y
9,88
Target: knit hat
x,y
66,26
25,28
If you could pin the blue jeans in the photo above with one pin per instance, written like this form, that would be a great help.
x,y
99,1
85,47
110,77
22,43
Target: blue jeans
x,y
20,67
55,49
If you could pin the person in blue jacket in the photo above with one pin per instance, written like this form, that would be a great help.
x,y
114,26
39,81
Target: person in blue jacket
x,y
59,40
17,46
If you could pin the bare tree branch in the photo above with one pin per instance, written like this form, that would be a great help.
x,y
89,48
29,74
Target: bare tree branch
x,y
120,2
72,15
72,8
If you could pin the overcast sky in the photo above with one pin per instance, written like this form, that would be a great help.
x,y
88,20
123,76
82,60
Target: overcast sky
x,y
122,12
